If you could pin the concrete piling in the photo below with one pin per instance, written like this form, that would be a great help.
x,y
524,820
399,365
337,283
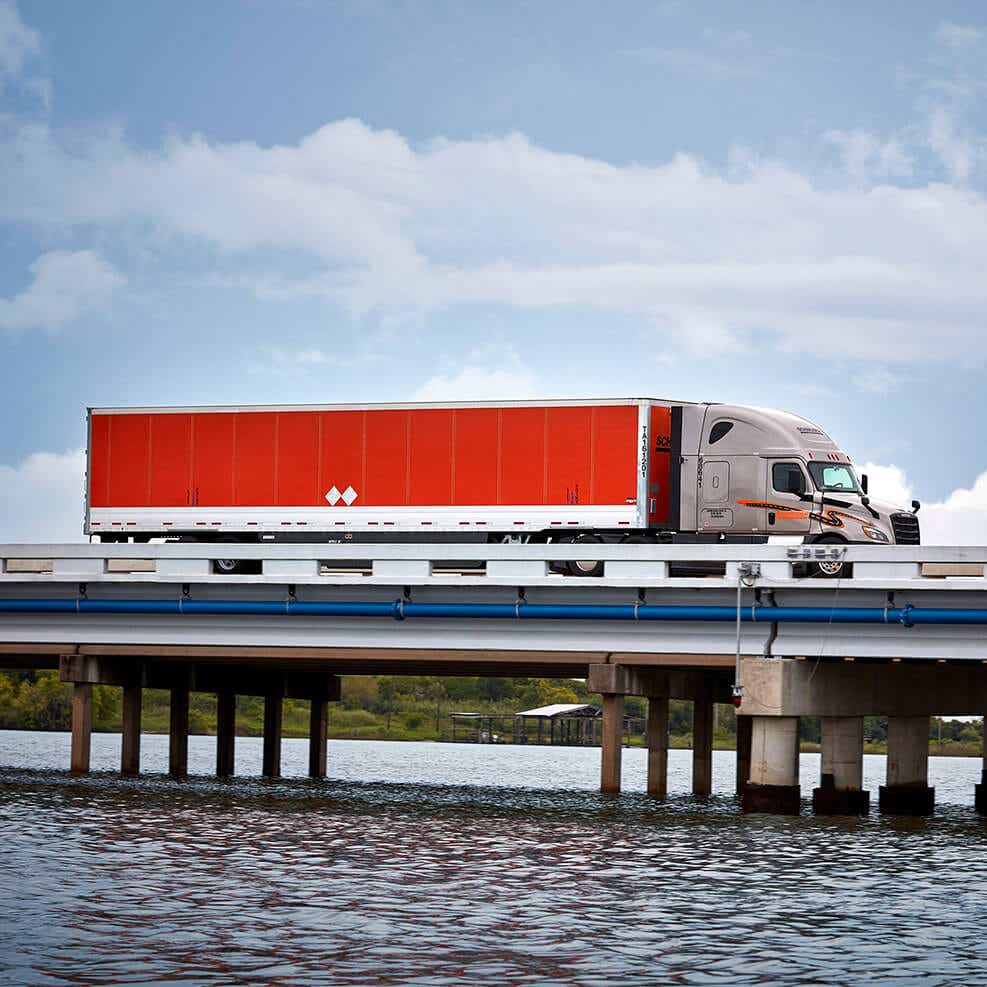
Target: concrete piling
x,y
611,743
317,731
82,726
225,733
744,725
840,791
907,791
657,737
130,747
178,733
702,747
273,703
774,781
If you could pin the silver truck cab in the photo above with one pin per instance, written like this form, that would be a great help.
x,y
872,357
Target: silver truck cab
x,y
761,471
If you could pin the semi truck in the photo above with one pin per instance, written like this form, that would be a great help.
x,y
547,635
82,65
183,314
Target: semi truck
x,y
630,469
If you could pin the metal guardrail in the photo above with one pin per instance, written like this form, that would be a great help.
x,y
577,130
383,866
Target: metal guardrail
x,y
315,584
892,567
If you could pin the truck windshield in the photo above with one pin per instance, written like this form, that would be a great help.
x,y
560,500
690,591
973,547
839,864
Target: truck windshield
x,y
832,478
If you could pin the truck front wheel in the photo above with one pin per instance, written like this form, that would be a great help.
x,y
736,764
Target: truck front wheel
x,y
830,570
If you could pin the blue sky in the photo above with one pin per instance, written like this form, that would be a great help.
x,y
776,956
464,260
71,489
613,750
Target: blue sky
x,y
255,202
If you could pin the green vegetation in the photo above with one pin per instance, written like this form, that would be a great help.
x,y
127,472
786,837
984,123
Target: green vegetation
x,y
375,707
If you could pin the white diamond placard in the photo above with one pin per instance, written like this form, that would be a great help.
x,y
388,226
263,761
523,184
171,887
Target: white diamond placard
x,y
349,495
333,496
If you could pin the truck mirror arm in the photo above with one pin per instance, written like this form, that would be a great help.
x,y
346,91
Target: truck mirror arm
x,y
865,500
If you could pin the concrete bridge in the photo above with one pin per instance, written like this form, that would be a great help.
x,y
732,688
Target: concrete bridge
x,y
902,637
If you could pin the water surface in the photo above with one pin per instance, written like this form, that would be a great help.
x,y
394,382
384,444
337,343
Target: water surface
x,y
453,864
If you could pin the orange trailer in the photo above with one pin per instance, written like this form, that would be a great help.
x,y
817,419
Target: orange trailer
x,y
326,472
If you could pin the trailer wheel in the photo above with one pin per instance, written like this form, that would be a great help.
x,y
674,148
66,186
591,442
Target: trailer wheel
x,y
230,567
586,568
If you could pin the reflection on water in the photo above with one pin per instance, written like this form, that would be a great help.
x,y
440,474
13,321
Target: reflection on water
x,y
442,864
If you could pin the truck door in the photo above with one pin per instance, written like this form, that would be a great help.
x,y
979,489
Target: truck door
x,y
715,510
787,511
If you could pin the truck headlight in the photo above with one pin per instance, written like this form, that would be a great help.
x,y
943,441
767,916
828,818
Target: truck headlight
x,y
875,534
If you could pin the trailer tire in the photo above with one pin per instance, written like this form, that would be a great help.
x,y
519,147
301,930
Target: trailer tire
x,y
587,568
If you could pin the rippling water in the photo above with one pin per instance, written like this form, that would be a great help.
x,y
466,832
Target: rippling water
x,y
443,864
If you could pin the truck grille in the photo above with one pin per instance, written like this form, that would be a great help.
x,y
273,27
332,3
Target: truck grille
x,y
906,529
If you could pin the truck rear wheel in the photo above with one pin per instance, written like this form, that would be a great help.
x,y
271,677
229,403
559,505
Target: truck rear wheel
x,y
587,568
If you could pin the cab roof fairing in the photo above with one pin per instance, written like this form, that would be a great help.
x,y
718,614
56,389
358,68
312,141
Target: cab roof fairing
x,y
783,434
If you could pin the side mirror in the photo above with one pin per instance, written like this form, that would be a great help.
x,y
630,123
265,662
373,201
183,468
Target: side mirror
x,y
916,505
863,482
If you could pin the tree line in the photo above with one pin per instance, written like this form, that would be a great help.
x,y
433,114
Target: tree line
x,y
407,707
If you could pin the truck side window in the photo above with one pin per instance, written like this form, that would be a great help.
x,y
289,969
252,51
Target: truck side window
x,y
787,478
718,431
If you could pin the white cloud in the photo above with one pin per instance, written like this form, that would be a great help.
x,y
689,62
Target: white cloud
x,y
65,285
958,35
867,156
957,152
878,380
18,42
511,381
961,519
888,483
42,498
868,269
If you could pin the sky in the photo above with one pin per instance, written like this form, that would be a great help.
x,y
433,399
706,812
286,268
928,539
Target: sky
x,y
257,201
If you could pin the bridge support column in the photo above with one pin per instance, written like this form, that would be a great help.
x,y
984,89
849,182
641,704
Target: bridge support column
x,y
907,791
82,726
702,748
657,735
272,735
612,739
744,725
178,733
840,790
130,748
774,782
980,796
317,744
225,733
